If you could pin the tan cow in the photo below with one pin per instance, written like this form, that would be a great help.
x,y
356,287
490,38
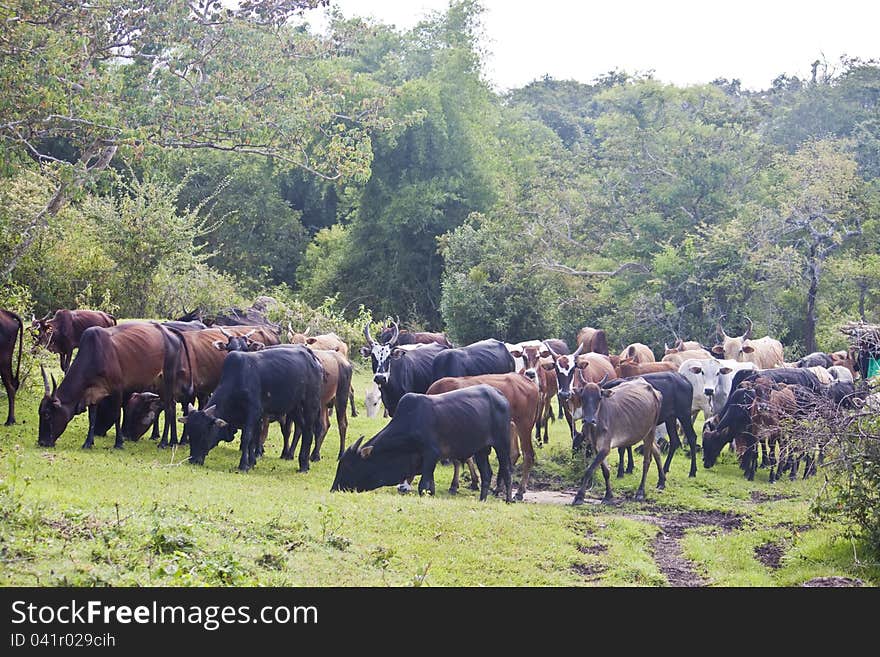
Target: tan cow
x,y
638,353
765,352
593,340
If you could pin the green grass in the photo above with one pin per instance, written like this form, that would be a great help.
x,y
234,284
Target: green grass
x,y
143,516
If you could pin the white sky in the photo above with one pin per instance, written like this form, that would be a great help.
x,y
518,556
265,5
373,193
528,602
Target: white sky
x,y
682,41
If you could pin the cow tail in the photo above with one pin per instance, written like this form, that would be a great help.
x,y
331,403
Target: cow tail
x,y
191,388
15,379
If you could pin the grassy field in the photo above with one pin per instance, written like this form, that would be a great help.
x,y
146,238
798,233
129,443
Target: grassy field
x,y
144,517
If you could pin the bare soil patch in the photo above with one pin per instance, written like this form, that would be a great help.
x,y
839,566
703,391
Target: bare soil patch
x,y
770,554
833,581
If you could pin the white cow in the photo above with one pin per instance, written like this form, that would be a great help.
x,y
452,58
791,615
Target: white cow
x,y
711,380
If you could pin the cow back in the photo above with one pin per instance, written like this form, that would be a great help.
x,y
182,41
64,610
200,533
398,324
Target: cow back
x,y
593,340
484,357
629,413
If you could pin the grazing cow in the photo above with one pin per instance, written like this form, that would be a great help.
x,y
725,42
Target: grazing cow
x,y
678,357
534,355
335,390
629,368
773,402
764,353
483,357
681,345
452,425
522,395
733,421
593,340
11,328
638,353
677,401
282,382
111,362
62,333
620,417
409,369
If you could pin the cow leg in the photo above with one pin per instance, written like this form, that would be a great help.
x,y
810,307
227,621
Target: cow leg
x,y
354,412
264,433
764,459
606,473
247,441
64,361
288,450
154,434
481,458
674,442
456,469
588,476
475,477
621,457
429,463
90,436
6,375
325,428
184,409
342,424
311,425
117,404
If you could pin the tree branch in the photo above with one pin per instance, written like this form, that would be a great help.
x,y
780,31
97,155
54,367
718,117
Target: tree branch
x,y
565,269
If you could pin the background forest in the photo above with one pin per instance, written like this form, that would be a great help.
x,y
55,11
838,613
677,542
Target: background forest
x,y
161,156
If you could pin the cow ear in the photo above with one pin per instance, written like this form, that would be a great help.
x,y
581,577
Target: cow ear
x,y
718,349
365,451
549,366
516,353
183,418
545,353
311,340
696,369
747,348
725,370
397,353
365,351
256,346
606,392
220,422
582,365
219,345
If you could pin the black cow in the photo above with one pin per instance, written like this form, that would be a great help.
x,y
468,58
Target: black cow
x,y
484,357
675,407
427,428
11,328
409,369
816,359
734,419
282,382
192,325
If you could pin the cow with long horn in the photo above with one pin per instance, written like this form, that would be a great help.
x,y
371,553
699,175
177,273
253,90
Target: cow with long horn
x,y
765,352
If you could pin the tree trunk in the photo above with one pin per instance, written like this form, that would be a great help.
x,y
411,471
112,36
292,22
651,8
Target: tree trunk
x,y
810,319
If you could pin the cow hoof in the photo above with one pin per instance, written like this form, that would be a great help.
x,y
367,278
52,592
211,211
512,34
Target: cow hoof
x,y
453,491
287,457
660,486
9,422
315,458
519,496
640,497
303,470
474,486
577,501
118,446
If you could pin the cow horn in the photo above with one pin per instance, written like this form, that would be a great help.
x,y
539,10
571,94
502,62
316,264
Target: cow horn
x,y
210,410
289,331
45,380
225,332
393,340
720,329
550,349
604,376
367,335
357,445
748,332
578,350
249,333
679,344
149,395
190,408
54,385
306,332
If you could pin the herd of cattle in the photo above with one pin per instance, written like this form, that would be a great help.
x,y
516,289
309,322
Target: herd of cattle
x,y
445,403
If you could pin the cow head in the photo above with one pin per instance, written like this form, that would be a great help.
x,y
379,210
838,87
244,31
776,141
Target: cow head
x,y
590,396
238,342
42,332
735,419
54,415
565,365
733,348
205,432
531,355
380,352
372,400
297,338
360,470
141,410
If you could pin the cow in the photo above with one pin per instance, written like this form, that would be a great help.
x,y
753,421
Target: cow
x,y
534,355
677,401
427,428
844,359
282,382
111,362
522,395
193,325
326,342
615,418
629,368
678,357
62,333
253,316
403,336
681,345
773,403
379,351
484,357
638,353
815,359
11,329
593,340
373,400
335,391
765,352
408,369
710,379
191,380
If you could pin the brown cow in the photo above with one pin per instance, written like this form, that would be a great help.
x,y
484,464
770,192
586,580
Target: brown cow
x,y
535,356
11,328
522,395
110,363
335,391
61,334
593,340
628,367
773,402
327,341
639,353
